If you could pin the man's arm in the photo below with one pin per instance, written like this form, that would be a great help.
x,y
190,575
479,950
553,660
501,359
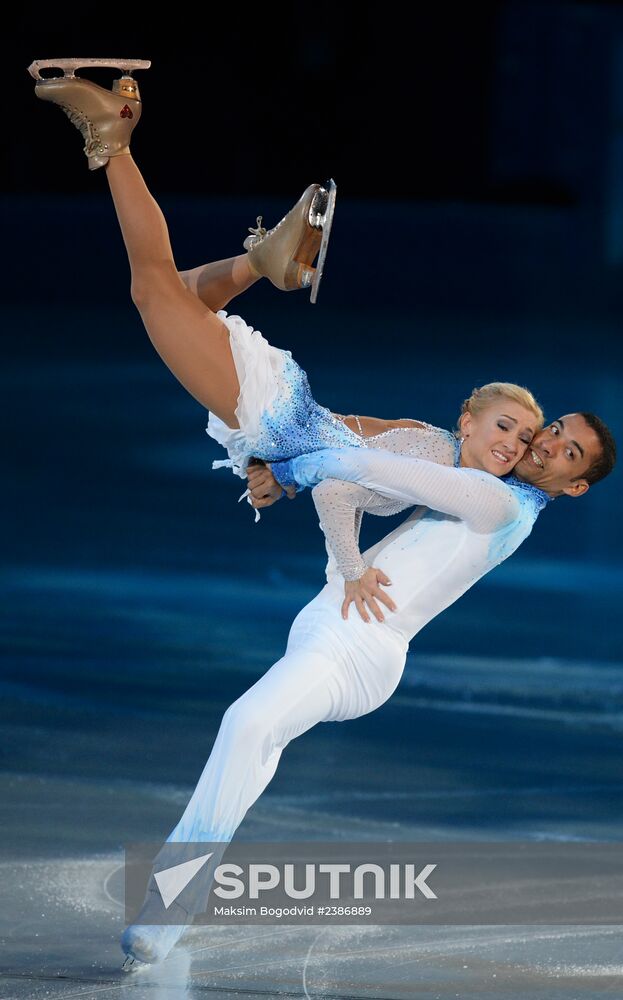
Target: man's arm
x,y
478,498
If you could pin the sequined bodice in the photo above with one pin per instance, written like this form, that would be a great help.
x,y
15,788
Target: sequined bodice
x,y
297,424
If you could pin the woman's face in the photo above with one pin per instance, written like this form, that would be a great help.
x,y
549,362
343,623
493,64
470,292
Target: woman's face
x,y
497,437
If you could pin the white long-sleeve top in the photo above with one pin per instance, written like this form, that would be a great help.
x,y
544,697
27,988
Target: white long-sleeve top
x,y
470,522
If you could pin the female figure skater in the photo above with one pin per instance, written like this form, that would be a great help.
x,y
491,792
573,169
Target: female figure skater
x,y
332,669
258,398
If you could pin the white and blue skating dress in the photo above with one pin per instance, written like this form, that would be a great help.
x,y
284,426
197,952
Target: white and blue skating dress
x,y
280,419
278,416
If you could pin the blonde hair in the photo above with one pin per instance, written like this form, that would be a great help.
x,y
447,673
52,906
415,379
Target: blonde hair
x,y
481,398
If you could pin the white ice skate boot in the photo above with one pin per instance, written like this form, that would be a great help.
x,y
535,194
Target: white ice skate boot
x,y
285,254
105,118
145,943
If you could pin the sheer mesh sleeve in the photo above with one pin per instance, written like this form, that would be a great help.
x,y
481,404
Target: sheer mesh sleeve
x,y
341,565
340,504
478,498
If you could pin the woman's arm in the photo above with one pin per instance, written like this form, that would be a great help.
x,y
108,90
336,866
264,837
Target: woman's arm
x,y
478,498
340,506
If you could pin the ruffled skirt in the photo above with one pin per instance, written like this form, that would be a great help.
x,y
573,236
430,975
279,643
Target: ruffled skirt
x,y
277,414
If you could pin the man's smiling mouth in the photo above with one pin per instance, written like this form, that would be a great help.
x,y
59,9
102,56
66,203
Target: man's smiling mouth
x,y
538,461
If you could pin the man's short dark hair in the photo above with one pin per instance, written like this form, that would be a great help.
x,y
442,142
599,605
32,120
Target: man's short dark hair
x,y
603,465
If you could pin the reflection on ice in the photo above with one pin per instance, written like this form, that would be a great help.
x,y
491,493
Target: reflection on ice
x,y
170,980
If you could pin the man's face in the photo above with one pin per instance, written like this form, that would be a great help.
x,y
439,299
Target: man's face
x,y
559,455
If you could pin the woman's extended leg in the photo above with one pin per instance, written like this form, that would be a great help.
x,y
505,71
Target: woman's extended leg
x,y
218,282
191,340
184,329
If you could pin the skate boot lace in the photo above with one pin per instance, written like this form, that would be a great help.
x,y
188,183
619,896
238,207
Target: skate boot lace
x,y
260,232
92,138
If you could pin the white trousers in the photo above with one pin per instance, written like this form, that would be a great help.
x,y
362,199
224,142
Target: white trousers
x,y
332,670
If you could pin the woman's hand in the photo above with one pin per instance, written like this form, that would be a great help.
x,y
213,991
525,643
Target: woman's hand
x,y
366,590
264,488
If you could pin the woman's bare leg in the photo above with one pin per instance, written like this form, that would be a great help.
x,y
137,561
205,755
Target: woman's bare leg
x,y
191,340
218,282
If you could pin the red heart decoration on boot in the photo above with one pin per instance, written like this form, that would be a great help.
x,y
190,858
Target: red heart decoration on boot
x,y
126,112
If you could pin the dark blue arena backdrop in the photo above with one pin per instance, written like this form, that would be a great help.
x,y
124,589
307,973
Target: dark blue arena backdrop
x,y
478,235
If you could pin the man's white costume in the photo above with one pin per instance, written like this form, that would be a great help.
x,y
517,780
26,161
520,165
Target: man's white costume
x,y
334,669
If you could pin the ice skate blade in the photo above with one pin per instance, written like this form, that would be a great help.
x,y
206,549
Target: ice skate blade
x,y
324,220
132,964
128,65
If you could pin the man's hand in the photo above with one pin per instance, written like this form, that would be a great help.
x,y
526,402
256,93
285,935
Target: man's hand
x,y
366,590
265,489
